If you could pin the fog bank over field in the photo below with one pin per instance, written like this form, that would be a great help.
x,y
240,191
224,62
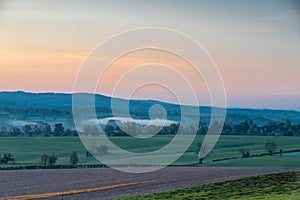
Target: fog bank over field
x,y
142,122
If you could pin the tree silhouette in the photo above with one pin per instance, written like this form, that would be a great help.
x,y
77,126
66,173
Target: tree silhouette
x,y
48,160
6,158
58,129
74,158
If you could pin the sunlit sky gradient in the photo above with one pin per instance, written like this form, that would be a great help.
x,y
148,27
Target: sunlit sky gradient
x,y
256,44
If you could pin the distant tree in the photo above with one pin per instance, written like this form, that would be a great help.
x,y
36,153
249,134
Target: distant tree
x,y
74,133
44,158
270,147
245,153
109,130
74,158
7,158
37,129
47,129
58,129
88,154
4,130
48,160
173,129
15,131
68,132
164,131
197,151
28,130
51,160
201,160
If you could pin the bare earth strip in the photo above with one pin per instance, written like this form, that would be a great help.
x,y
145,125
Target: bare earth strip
x,y
108,183
72,192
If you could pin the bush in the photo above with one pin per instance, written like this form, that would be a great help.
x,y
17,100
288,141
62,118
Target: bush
x,y
245,153
6,158
48,160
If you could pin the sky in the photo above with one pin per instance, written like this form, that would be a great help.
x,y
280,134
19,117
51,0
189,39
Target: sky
x,y
255,44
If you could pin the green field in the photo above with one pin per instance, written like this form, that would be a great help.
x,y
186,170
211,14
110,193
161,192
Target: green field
x,y
266,187
27,150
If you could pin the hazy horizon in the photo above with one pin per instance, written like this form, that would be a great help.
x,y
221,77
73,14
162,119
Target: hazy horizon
x,y
154,99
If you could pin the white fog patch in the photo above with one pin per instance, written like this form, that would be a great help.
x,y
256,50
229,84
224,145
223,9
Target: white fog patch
x,y
142,122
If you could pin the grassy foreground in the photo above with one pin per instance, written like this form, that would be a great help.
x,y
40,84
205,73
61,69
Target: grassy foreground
x,y
278,186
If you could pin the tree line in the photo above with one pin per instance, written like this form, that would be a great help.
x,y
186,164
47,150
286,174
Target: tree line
x,y
45,159
285,128
38,129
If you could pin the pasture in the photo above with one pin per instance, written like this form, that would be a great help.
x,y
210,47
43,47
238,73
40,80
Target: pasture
x,y
27,150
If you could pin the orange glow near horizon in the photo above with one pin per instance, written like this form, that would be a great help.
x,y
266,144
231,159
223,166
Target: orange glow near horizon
x,y
257,49
39,70
56,71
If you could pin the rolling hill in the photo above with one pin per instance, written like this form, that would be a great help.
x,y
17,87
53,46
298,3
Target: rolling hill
x,y
46,106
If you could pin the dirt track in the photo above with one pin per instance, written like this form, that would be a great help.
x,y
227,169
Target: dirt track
x,y
108,183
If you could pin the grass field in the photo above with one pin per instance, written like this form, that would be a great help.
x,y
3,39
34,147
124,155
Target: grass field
x,y
28,150
267,187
